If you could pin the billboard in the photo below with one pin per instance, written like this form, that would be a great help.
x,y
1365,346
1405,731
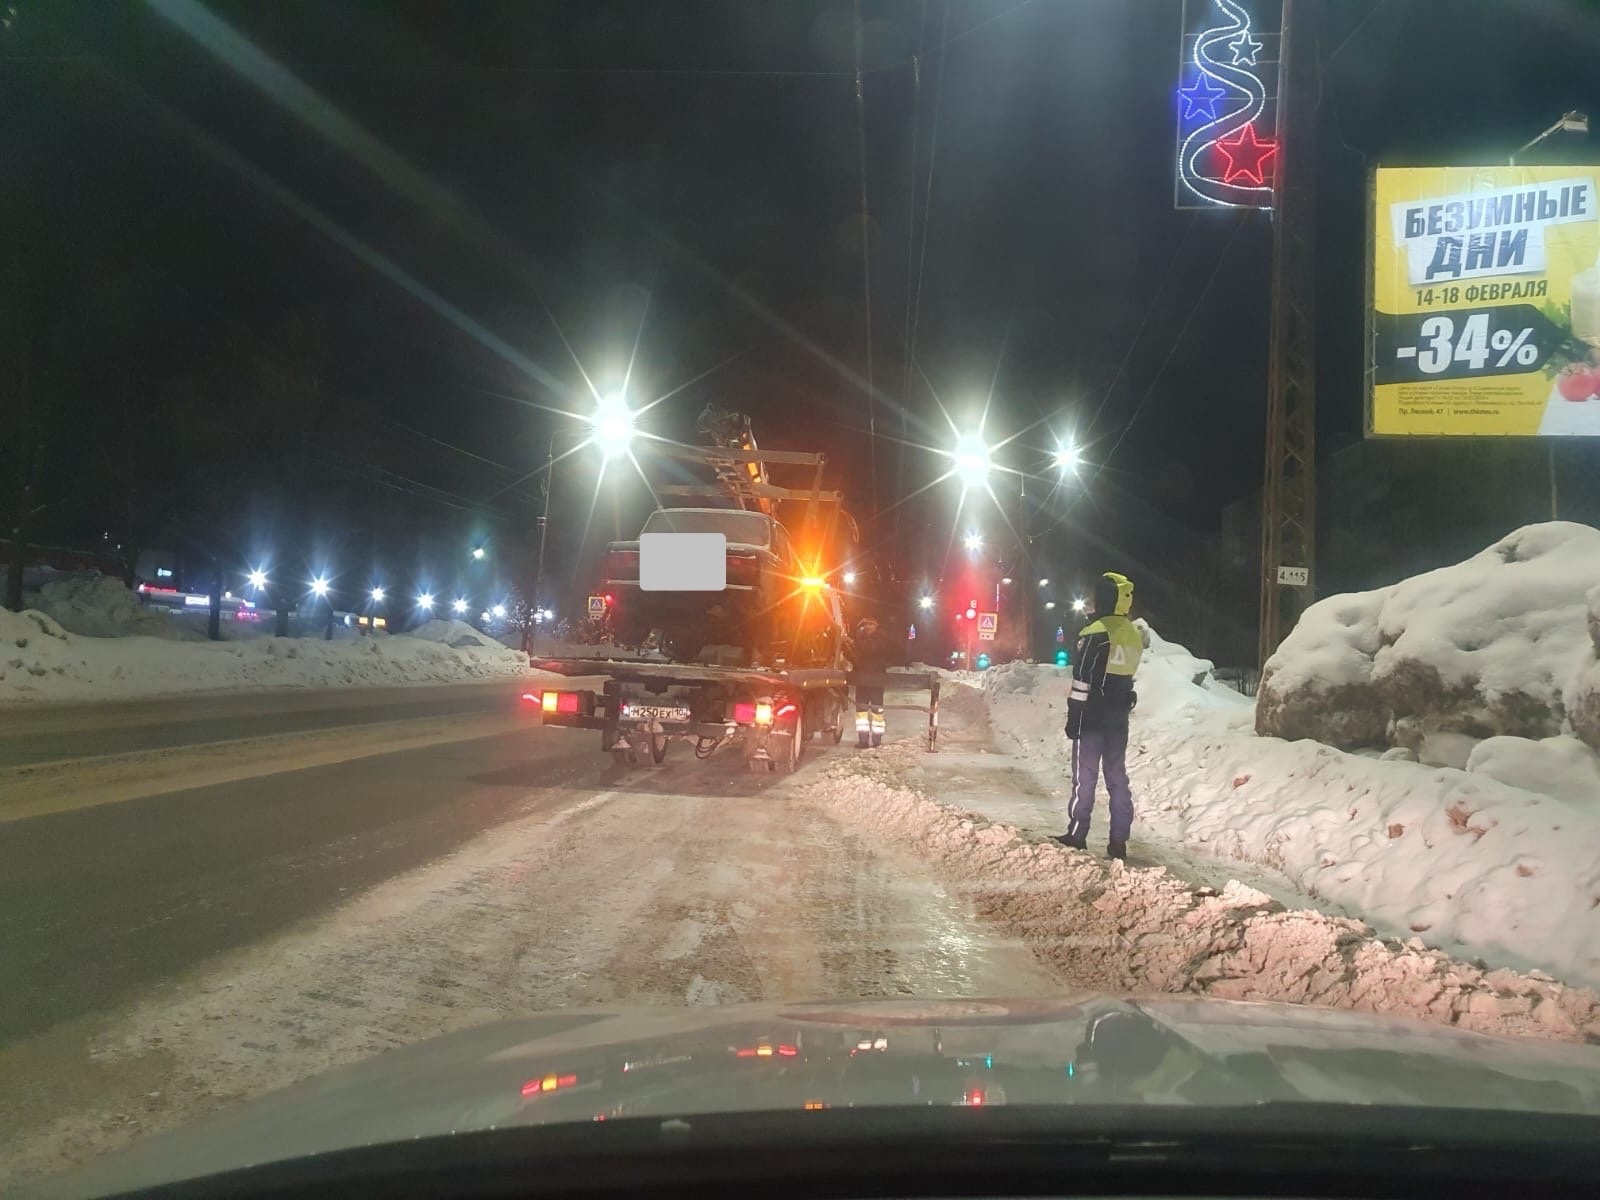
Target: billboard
x,y
1484,305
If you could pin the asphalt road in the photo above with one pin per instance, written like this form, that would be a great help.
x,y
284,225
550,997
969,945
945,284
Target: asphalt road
x,y
104,898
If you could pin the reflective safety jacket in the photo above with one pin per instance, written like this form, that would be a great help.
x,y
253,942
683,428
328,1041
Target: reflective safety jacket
x,y
1102,673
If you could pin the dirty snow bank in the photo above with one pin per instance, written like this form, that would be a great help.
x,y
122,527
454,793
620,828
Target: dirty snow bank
x,y
1107,926
1494,645
39,660
1474,864
98,606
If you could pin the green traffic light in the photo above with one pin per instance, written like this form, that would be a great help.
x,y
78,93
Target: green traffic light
x,y
1061,658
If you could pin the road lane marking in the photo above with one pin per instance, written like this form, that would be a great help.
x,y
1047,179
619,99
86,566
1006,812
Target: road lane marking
x,y
39,789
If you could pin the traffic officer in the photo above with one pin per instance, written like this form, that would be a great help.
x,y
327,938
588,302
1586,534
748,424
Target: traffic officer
x,y
869,653
1097,713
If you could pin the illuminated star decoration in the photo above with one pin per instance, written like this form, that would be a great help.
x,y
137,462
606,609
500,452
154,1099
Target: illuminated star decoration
x,y
1246,155
1245,48
1226,153
1200,98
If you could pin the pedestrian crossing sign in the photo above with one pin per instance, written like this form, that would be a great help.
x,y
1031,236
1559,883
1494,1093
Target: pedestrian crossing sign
x,y
988,623
597,608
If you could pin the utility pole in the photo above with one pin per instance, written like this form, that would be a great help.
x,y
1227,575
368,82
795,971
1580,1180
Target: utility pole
x,y
1289,494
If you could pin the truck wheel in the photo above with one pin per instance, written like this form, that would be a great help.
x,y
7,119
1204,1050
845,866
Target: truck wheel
x,y
797,745
658,748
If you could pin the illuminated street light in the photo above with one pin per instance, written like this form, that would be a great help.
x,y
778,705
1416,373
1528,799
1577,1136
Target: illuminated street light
x,y
258,579
1044,583
973,541
484,616
425,602
1049,604
499,611
972,461
319,586
849,578
377,595
549,614
1080,605
611,427
1066,457
1006,582
925,603
460,604
477,553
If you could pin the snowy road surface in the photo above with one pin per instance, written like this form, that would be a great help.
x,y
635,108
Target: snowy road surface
x,y
191,945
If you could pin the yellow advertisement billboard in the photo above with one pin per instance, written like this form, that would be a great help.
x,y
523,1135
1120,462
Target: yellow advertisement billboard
x,y
1485,302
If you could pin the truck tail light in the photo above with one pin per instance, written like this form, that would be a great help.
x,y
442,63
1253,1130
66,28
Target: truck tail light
x,y
567,702
744,570
547,703
744,712
763,712
788,710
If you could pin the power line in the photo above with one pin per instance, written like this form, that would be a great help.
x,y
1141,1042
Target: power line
x,y
866,261
1173,349
911,251
1150,308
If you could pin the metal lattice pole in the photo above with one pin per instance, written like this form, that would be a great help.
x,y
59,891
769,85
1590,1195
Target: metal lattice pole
x,y
1289,497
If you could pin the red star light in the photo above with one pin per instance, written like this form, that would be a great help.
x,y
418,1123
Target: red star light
x,y
1246,155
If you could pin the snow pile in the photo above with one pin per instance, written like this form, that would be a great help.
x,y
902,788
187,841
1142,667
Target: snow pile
x,y
1499,644
1495,860
1110,927
39,660
457,634
98,606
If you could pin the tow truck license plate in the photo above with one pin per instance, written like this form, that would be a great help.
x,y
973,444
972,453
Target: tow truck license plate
x,y
653,712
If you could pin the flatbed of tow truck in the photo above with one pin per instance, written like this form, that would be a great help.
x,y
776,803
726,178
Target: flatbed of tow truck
x,y
769,712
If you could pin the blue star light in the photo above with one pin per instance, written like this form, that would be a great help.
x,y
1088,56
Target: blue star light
x,y
1200,98
1245,48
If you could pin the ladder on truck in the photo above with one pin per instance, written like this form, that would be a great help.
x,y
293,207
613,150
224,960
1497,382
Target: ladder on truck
x,y
739,467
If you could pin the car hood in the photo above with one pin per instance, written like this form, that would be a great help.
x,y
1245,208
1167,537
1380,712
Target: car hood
x,y
607,1064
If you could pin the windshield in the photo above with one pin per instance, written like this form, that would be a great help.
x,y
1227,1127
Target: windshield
x,y
740,528
1169,675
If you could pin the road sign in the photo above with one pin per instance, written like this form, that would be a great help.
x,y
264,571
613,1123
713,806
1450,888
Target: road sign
x,y
1294,576
988,623
1061,636
597,608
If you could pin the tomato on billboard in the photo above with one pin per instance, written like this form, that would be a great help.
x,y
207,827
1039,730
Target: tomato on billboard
x,y
1485,317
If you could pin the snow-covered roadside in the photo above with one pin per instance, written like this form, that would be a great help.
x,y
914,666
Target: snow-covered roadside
x,y
1109,926
39,660
738,889
1473,865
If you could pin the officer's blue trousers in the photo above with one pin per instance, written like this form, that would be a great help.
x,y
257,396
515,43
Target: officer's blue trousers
x,y
1096,749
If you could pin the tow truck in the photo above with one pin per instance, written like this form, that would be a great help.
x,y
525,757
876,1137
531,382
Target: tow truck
x,y
791,681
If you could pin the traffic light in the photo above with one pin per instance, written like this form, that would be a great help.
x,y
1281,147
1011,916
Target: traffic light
x,y
1062,657
983,662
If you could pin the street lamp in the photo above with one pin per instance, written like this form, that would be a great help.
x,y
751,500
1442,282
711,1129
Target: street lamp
x,y
1049,605
1571,121
477,553
1006,582
973,541
1066,458
258,579
611,426
926,603
972,461
425,602
1080,605
377,595
499,611
319,586
849,578
1044,583
459,605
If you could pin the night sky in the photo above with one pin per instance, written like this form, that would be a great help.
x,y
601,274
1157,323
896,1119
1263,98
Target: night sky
x,y
445,186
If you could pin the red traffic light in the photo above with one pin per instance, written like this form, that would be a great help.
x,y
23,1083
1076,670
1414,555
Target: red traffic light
x,y
972,612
